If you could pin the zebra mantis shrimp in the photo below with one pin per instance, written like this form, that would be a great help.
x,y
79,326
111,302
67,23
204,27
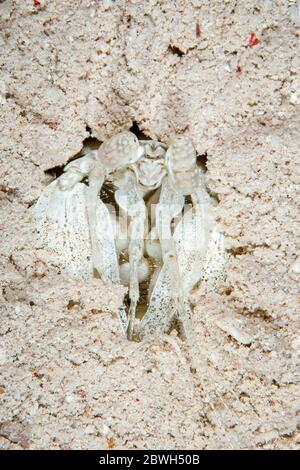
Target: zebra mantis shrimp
x,y
173,253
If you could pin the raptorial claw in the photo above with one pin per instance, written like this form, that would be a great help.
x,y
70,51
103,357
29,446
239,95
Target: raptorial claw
x,y
61,220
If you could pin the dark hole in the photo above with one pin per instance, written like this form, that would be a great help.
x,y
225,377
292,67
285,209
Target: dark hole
x,y
175,50
88,129
188,200
91,143
228,291
137,131
230,52
72,303
274,382
177,325
202,161
56,171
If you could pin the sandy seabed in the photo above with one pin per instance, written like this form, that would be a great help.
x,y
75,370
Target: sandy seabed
x,y
225,73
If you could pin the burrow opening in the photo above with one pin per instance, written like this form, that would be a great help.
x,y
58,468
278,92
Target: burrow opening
x,y
107,196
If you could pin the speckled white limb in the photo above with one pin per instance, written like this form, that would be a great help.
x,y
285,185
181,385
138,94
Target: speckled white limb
x,y
104,254
61,219
199,244
215,261
167,302
74,222
131,201
169,207
191,237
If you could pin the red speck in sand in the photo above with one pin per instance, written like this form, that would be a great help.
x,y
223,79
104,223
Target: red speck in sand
x,y
253,41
